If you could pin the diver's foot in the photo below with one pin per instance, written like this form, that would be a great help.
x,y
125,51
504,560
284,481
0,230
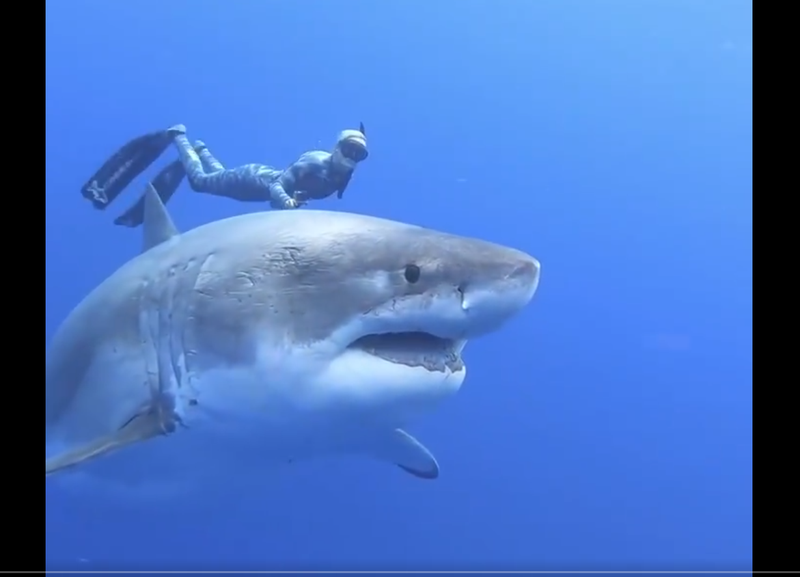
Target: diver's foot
x,y
176,130
199,145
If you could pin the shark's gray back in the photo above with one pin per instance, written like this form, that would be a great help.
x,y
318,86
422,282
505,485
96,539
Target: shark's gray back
x,y
202,278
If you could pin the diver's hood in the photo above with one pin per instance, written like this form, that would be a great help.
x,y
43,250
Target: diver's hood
x,y
354,136
351,146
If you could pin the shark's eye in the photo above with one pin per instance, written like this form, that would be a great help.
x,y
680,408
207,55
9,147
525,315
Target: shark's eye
x,y
412,273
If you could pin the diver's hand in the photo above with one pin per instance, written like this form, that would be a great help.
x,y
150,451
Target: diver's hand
x,y
290,203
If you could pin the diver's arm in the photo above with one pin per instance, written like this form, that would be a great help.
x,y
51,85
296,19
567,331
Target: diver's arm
x,y
282,190
340,192
247,183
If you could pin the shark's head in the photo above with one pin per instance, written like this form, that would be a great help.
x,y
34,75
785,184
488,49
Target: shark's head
x,y
415,297
380,311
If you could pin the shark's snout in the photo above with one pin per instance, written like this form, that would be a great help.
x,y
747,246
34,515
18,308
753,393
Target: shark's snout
x,y
523,275
526,274
499,290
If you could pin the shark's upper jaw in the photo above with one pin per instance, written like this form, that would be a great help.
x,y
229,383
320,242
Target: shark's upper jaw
x,y
430,331
414,349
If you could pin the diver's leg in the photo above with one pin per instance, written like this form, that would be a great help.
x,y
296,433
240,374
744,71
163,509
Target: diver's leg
x,y
244,183
166,184
199,180
127,163
210,163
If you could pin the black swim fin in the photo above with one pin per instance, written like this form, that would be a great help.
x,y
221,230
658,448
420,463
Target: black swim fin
x,y
127,163
166,184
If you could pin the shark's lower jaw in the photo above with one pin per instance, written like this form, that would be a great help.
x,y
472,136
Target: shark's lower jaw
x,y
414,349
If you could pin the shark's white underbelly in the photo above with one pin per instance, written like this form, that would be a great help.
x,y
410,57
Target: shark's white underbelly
x,y
241,428
241,422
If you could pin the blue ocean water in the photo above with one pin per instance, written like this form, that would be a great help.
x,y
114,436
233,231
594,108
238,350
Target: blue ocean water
x,y
607,427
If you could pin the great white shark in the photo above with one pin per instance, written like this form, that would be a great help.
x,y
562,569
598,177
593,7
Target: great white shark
x,y
274,337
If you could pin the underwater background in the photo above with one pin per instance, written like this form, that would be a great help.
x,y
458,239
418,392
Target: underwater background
x,y
607,427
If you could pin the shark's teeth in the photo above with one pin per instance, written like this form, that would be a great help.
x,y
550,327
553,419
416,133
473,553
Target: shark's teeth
x,y
414,349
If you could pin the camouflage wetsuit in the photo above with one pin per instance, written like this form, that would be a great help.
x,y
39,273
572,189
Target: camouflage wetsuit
x,y
315,175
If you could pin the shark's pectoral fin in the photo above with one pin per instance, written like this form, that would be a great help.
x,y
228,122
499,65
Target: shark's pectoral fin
x,y
406,452
141,428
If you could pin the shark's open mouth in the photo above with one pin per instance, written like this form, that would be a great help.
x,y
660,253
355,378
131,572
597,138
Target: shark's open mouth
x,y
414,349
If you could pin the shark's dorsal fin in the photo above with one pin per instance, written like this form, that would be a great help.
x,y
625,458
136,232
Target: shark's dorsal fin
x,y
158,226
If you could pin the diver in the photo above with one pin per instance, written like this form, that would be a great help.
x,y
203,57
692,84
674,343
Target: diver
x,y
315,175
